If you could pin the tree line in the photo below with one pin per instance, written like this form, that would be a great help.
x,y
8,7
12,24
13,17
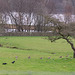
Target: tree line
x,y
26,12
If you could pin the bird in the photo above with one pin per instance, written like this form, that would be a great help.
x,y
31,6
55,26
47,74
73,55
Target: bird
x,y
49,57
13,62
41,58
60,57
29,57
4,63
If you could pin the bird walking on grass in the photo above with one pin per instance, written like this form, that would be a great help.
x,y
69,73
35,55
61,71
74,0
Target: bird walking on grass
x,y
4,63
13,62
49,57
41,58
60,57
29,57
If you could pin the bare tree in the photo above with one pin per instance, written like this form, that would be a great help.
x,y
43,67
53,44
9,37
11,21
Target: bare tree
x,y
23,10
43,8
64,31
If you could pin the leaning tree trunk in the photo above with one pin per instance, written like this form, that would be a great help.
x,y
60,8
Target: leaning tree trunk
x,y
68,40
71,44
74,55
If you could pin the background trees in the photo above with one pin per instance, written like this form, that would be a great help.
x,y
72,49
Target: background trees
x,y
22,12
63,31
25,13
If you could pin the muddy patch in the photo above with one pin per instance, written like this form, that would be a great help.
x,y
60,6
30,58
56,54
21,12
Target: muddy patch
x,y
14,47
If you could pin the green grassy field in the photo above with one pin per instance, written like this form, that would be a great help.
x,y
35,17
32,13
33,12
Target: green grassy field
x,y
36,48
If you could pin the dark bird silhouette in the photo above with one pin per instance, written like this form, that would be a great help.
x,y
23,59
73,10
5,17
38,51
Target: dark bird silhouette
x,y
13,62
4,63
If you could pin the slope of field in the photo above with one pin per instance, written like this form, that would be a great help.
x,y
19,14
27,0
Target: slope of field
x,y
35,55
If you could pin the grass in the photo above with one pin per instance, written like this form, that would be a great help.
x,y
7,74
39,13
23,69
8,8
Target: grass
x,y
35,47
